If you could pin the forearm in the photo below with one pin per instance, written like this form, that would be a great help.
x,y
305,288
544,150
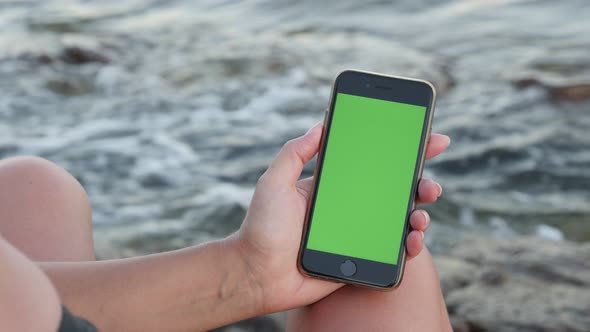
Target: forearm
x,y
192,289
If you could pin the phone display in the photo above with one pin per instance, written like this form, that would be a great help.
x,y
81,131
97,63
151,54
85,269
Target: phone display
x,y
366,182
370,161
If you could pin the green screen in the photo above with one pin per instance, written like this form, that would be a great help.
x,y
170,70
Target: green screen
x,y
366,178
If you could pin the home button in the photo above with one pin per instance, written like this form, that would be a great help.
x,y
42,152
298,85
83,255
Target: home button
x,y
348,268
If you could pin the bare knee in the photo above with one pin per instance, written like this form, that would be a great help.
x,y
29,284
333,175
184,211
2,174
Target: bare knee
x,y
39,181
42,204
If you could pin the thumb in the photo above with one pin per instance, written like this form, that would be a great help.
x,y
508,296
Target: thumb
x,y
288,164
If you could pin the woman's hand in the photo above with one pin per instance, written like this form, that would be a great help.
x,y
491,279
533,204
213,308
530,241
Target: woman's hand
x,y
270,236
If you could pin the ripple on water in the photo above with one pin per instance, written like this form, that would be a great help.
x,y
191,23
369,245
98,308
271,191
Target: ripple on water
x,y
169,111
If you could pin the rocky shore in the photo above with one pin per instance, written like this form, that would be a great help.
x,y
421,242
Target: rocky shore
x,y
524,284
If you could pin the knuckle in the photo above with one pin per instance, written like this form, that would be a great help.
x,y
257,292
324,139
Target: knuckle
x,y
289,147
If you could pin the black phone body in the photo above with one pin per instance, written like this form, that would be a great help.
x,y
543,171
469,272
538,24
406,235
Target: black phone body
x,y
370,161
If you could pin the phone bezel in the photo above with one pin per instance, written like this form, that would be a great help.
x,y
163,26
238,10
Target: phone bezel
x,y
394,88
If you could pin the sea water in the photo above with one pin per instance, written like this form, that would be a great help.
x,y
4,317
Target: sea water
x,y
168,111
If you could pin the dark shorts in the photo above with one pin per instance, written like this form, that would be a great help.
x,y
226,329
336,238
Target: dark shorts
x,y
71,323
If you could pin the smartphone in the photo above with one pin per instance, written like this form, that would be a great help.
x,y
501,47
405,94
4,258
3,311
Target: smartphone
x,y
370,161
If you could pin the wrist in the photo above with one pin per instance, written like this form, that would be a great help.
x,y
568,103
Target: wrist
x,y
248,273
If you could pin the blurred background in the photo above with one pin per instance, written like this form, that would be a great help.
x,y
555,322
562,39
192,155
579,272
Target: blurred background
x,y
168,111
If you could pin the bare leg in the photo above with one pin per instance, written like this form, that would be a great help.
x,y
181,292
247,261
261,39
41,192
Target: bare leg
x,y
44,211
28,301
44,216
417,305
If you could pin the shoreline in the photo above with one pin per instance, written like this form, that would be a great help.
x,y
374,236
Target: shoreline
x,y
488,285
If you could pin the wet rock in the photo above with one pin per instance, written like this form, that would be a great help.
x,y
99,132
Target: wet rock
x,y
527,284
460,325
565,92
442,79
577,92
45,59
79,56
454,273
526,82
269,323
73,55
155,181
493,277
224,219
7,149
68,86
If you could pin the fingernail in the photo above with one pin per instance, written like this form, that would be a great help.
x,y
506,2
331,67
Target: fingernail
x,y
439,189
422,235
425,214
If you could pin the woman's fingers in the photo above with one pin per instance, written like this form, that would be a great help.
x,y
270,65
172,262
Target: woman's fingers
x,y
436,145
414,243
420,220
428,191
